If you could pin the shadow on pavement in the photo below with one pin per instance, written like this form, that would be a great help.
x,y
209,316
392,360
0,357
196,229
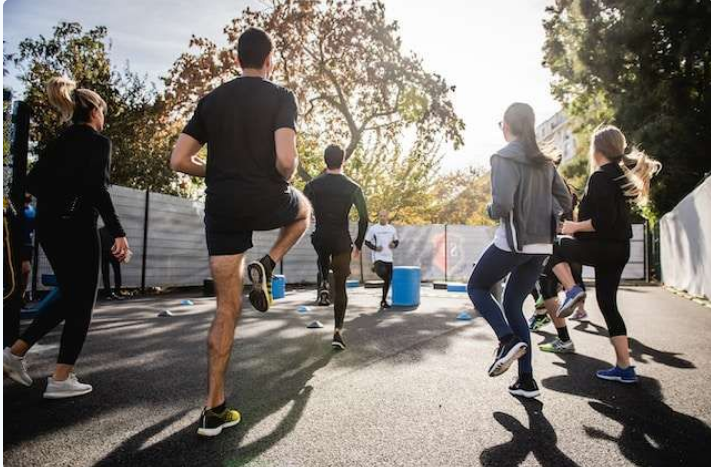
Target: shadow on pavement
x,y
149,376
652,432
638,350
539,439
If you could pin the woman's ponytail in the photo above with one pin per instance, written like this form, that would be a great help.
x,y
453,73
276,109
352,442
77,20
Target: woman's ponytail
x,y
60,94
638,167
72,103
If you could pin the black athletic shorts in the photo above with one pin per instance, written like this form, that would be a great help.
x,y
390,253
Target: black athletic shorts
x,y
234,236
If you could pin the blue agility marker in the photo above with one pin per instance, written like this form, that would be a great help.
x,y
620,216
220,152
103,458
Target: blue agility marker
x,y
352,283
464,316
303,309
187,302
456,287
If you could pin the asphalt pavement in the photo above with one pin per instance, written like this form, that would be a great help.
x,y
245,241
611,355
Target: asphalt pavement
x,y
410,390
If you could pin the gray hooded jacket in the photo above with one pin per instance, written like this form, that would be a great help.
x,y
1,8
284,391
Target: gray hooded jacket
x,y
523,195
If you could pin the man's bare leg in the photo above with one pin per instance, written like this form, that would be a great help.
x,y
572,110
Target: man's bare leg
x,y
227,272
552,305
290,234
565,275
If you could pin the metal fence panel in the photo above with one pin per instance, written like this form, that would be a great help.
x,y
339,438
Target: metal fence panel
x,y
177,254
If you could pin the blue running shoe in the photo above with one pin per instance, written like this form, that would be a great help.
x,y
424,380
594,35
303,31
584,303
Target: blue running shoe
x,y
628,375
572,298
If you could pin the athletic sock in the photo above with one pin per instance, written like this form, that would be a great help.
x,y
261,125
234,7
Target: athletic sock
x,y
219,409
270,261
563,333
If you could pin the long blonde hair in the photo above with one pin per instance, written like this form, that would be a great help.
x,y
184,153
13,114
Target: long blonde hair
x,y
637,166
72,103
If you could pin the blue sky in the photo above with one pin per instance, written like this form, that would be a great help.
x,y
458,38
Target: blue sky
x,y
491,50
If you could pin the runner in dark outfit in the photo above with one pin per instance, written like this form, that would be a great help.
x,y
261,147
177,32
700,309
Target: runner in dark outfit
x,y
601,237
70,181
332,195
248,125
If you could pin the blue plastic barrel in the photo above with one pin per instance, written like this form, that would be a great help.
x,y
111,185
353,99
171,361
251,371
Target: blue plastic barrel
x,y
406,286
278,286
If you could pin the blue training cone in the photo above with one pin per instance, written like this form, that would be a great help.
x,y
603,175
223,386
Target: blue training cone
x,y
187,302
303,309
464,316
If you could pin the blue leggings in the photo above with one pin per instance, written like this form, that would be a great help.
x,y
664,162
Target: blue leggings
x,y
492,267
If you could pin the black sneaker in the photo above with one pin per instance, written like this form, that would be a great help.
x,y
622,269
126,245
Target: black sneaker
x,y
324,296
212,423
527,388
260,273
385,305
506,354
337,342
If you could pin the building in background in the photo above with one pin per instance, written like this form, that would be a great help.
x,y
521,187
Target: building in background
x,y
557,131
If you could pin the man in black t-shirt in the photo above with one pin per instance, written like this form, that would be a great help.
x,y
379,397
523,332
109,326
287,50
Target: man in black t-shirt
x,y
249,127
332,195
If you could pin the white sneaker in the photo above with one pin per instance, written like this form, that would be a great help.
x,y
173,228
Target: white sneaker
x,y
15,368
70,387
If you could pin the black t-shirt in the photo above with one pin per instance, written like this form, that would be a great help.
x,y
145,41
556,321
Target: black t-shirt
x,y
237,121
606,205
332,196
71,179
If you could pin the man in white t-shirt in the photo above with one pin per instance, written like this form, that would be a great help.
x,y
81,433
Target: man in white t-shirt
x,y
382,239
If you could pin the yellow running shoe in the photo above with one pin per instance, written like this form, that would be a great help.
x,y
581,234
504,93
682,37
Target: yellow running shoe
x,y
212,423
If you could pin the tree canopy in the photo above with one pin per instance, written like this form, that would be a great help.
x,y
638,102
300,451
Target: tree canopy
x,y
135,119
355,86
646,67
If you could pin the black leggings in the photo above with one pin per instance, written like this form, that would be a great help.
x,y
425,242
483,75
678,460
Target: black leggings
x,y
609,260
73,251
340,263
385,272
107,259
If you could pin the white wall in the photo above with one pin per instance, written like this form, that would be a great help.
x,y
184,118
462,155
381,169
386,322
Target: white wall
x,y
685,243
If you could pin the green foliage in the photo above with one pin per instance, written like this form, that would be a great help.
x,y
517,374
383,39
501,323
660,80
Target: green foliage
x,y
646,67
355,86
135,120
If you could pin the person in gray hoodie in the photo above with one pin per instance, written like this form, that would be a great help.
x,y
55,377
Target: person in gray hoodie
x,y
524,183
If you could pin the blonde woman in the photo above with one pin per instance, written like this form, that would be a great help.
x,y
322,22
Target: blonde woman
x,y
601,236
70,182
